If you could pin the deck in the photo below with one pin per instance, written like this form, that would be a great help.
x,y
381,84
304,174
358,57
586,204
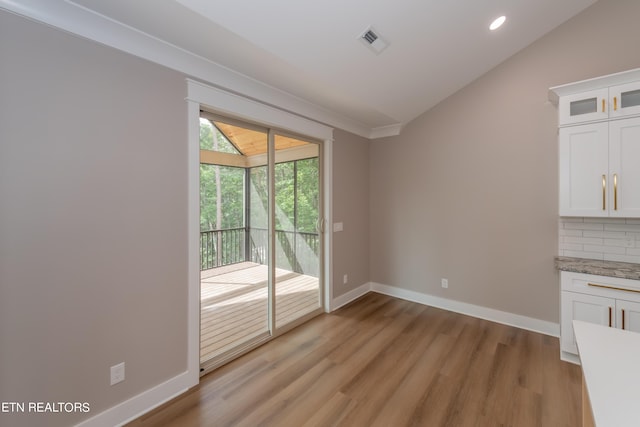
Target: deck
x,y
233,304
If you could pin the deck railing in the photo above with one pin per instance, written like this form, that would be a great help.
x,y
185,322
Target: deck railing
x,y
295,251
221,247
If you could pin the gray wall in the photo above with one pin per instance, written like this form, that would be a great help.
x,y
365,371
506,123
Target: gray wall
x,y
351,207
469,190
93,221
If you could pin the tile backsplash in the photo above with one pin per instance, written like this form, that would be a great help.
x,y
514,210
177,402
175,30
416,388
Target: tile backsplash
x,y
612,239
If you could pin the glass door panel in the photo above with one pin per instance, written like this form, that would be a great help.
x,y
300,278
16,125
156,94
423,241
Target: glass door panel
x,y
297,238
260,246
625,99
233,238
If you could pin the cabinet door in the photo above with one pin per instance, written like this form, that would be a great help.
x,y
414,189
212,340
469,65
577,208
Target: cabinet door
x,y
628,315
624,167
584,165
624,100
583,107
588,308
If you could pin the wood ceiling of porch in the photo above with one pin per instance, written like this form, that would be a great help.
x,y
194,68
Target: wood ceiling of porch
x,y
251,142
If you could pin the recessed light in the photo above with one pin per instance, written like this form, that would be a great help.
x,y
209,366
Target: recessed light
x,y
497,23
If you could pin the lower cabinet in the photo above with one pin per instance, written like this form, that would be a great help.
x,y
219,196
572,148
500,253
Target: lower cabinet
x,y
603,300
588,308
629,318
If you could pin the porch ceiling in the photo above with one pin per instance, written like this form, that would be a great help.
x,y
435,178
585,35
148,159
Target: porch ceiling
x,y
251,142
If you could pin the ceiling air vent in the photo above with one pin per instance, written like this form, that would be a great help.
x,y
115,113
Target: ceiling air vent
x,y
373,40
370,36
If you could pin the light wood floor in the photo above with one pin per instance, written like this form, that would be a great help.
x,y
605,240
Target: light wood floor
x,y
381,361
233,304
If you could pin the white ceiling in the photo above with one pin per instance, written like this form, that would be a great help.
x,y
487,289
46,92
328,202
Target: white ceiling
x,y
310,52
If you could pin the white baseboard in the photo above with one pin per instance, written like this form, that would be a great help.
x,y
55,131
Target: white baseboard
x,y
571,358
352,295
511,319
144,402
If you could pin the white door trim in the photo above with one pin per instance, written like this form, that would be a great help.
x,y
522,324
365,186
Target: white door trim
x,y
236,106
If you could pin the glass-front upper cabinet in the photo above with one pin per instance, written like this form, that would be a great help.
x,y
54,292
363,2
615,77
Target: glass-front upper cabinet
x,y
600,104
584,107
624,99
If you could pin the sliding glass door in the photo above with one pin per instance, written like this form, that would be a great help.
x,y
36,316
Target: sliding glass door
x,y
260,202
297,234
234,276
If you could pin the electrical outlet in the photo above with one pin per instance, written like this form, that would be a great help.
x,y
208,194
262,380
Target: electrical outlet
x,y
345,279
445,283
117,373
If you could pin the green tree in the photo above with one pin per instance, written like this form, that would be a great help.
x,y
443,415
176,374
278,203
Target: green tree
x,y
222,199
221,187
308,195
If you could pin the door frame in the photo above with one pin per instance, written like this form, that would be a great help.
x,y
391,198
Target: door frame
x,y
228,104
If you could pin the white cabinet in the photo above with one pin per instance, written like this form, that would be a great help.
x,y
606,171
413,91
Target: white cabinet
x,y
600,169
584,107
584,170
624,168
600,104
625,100
599,147
588,308
628,315
606,301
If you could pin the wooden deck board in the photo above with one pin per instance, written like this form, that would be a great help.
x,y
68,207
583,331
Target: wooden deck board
x,y
233,304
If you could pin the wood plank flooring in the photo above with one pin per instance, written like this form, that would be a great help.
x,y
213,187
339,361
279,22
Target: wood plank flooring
x,y
382,361
233,304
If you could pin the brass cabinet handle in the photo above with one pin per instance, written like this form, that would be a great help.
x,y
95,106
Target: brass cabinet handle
x,y
615,103
615,288
609,316
604,192
603,105
623,318
615,191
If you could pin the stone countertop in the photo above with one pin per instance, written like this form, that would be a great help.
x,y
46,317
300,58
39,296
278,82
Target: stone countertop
x,y
624,270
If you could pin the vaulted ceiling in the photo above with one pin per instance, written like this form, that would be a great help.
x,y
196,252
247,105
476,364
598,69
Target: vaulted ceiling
x,y
307,56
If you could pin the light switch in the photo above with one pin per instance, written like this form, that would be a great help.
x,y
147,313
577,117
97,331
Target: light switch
x,y
337,226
